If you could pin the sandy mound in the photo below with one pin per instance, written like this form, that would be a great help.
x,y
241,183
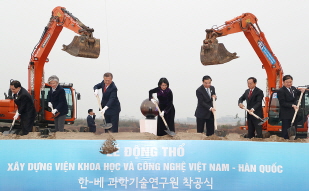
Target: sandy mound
x,y
144,136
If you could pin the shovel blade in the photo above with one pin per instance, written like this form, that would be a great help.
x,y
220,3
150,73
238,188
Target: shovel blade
x,y
292,132
220,133
215,53
171,133
263,121
106,126
13,131
83,46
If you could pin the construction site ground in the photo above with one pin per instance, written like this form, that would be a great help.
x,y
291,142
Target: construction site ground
x,y
74,134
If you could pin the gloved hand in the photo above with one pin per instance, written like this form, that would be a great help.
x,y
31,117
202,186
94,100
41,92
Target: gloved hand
x,y
96,92
154,101
50,105
103,110
16,115
54,111
162,114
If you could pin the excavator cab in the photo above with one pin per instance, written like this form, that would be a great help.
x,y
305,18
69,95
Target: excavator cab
x,y
83,46
212,52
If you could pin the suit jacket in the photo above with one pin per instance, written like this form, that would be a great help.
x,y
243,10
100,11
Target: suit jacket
x,y
90,122
204,102
109,98
286,100
25,104
58,99
254,102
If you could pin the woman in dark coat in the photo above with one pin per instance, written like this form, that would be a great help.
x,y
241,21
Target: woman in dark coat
x,y
165,96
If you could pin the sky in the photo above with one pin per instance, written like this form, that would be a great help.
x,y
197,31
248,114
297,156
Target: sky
x,y
144,40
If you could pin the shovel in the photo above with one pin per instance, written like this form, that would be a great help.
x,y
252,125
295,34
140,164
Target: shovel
x,y
56,114
168,131
105,125
10,131
262,120
219,133
292,129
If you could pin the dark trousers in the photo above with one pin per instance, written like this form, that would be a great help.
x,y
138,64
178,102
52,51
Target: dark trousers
x,y
286,123
114,120
59,123
26,123
200,123
92,129
253,126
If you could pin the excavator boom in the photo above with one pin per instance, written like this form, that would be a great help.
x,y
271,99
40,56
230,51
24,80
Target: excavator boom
x,y
83,45
213,53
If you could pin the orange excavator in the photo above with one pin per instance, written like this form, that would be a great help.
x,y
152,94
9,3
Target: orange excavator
x,y
213,53
84,45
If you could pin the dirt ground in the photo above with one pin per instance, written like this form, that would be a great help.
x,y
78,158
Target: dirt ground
x,y
75,135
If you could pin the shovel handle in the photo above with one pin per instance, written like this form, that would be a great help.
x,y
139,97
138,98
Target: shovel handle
x,y
12,125
214,112
160,114
99,102
252,113
301,96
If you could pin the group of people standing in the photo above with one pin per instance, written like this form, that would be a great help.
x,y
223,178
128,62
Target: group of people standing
x,y
287,96
26,111
206,94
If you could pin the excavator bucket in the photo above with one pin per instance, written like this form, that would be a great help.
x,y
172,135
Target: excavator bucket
x,y
83,46
215,53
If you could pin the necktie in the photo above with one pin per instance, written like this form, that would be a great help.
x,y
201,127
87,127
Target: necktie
x,y
208,91
104,89
250,93
291,91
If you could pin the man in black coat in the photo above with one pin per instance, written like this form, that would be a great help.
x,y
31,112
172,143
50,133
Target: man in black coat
x,y
110,102
253,97
288,96
25,105
204,109
90,121
58,102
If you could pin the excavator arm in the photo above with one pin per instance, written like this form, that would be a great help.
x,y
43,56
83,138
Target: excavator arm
x,y
84,45
213,53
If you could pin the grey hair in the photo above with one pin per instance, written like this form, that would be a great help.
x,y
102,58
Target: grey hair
x,y
53,78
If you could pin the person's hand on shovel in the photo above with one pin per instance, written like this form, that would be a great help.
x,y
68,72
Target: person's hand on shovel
x,y
212,109
251,111
54,111
96,92
16,115
103,110
302,90
50,105
241,106
154,101
162,114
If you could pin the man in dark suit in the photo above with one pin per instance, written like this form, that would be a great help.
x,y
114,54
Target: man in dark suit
x,y
90,121
25,105
253,97
288,96
58,102
110,102
204,109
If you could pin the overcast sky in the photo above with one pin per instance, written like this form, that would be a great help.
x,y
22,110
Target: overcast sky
x,y
144,40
